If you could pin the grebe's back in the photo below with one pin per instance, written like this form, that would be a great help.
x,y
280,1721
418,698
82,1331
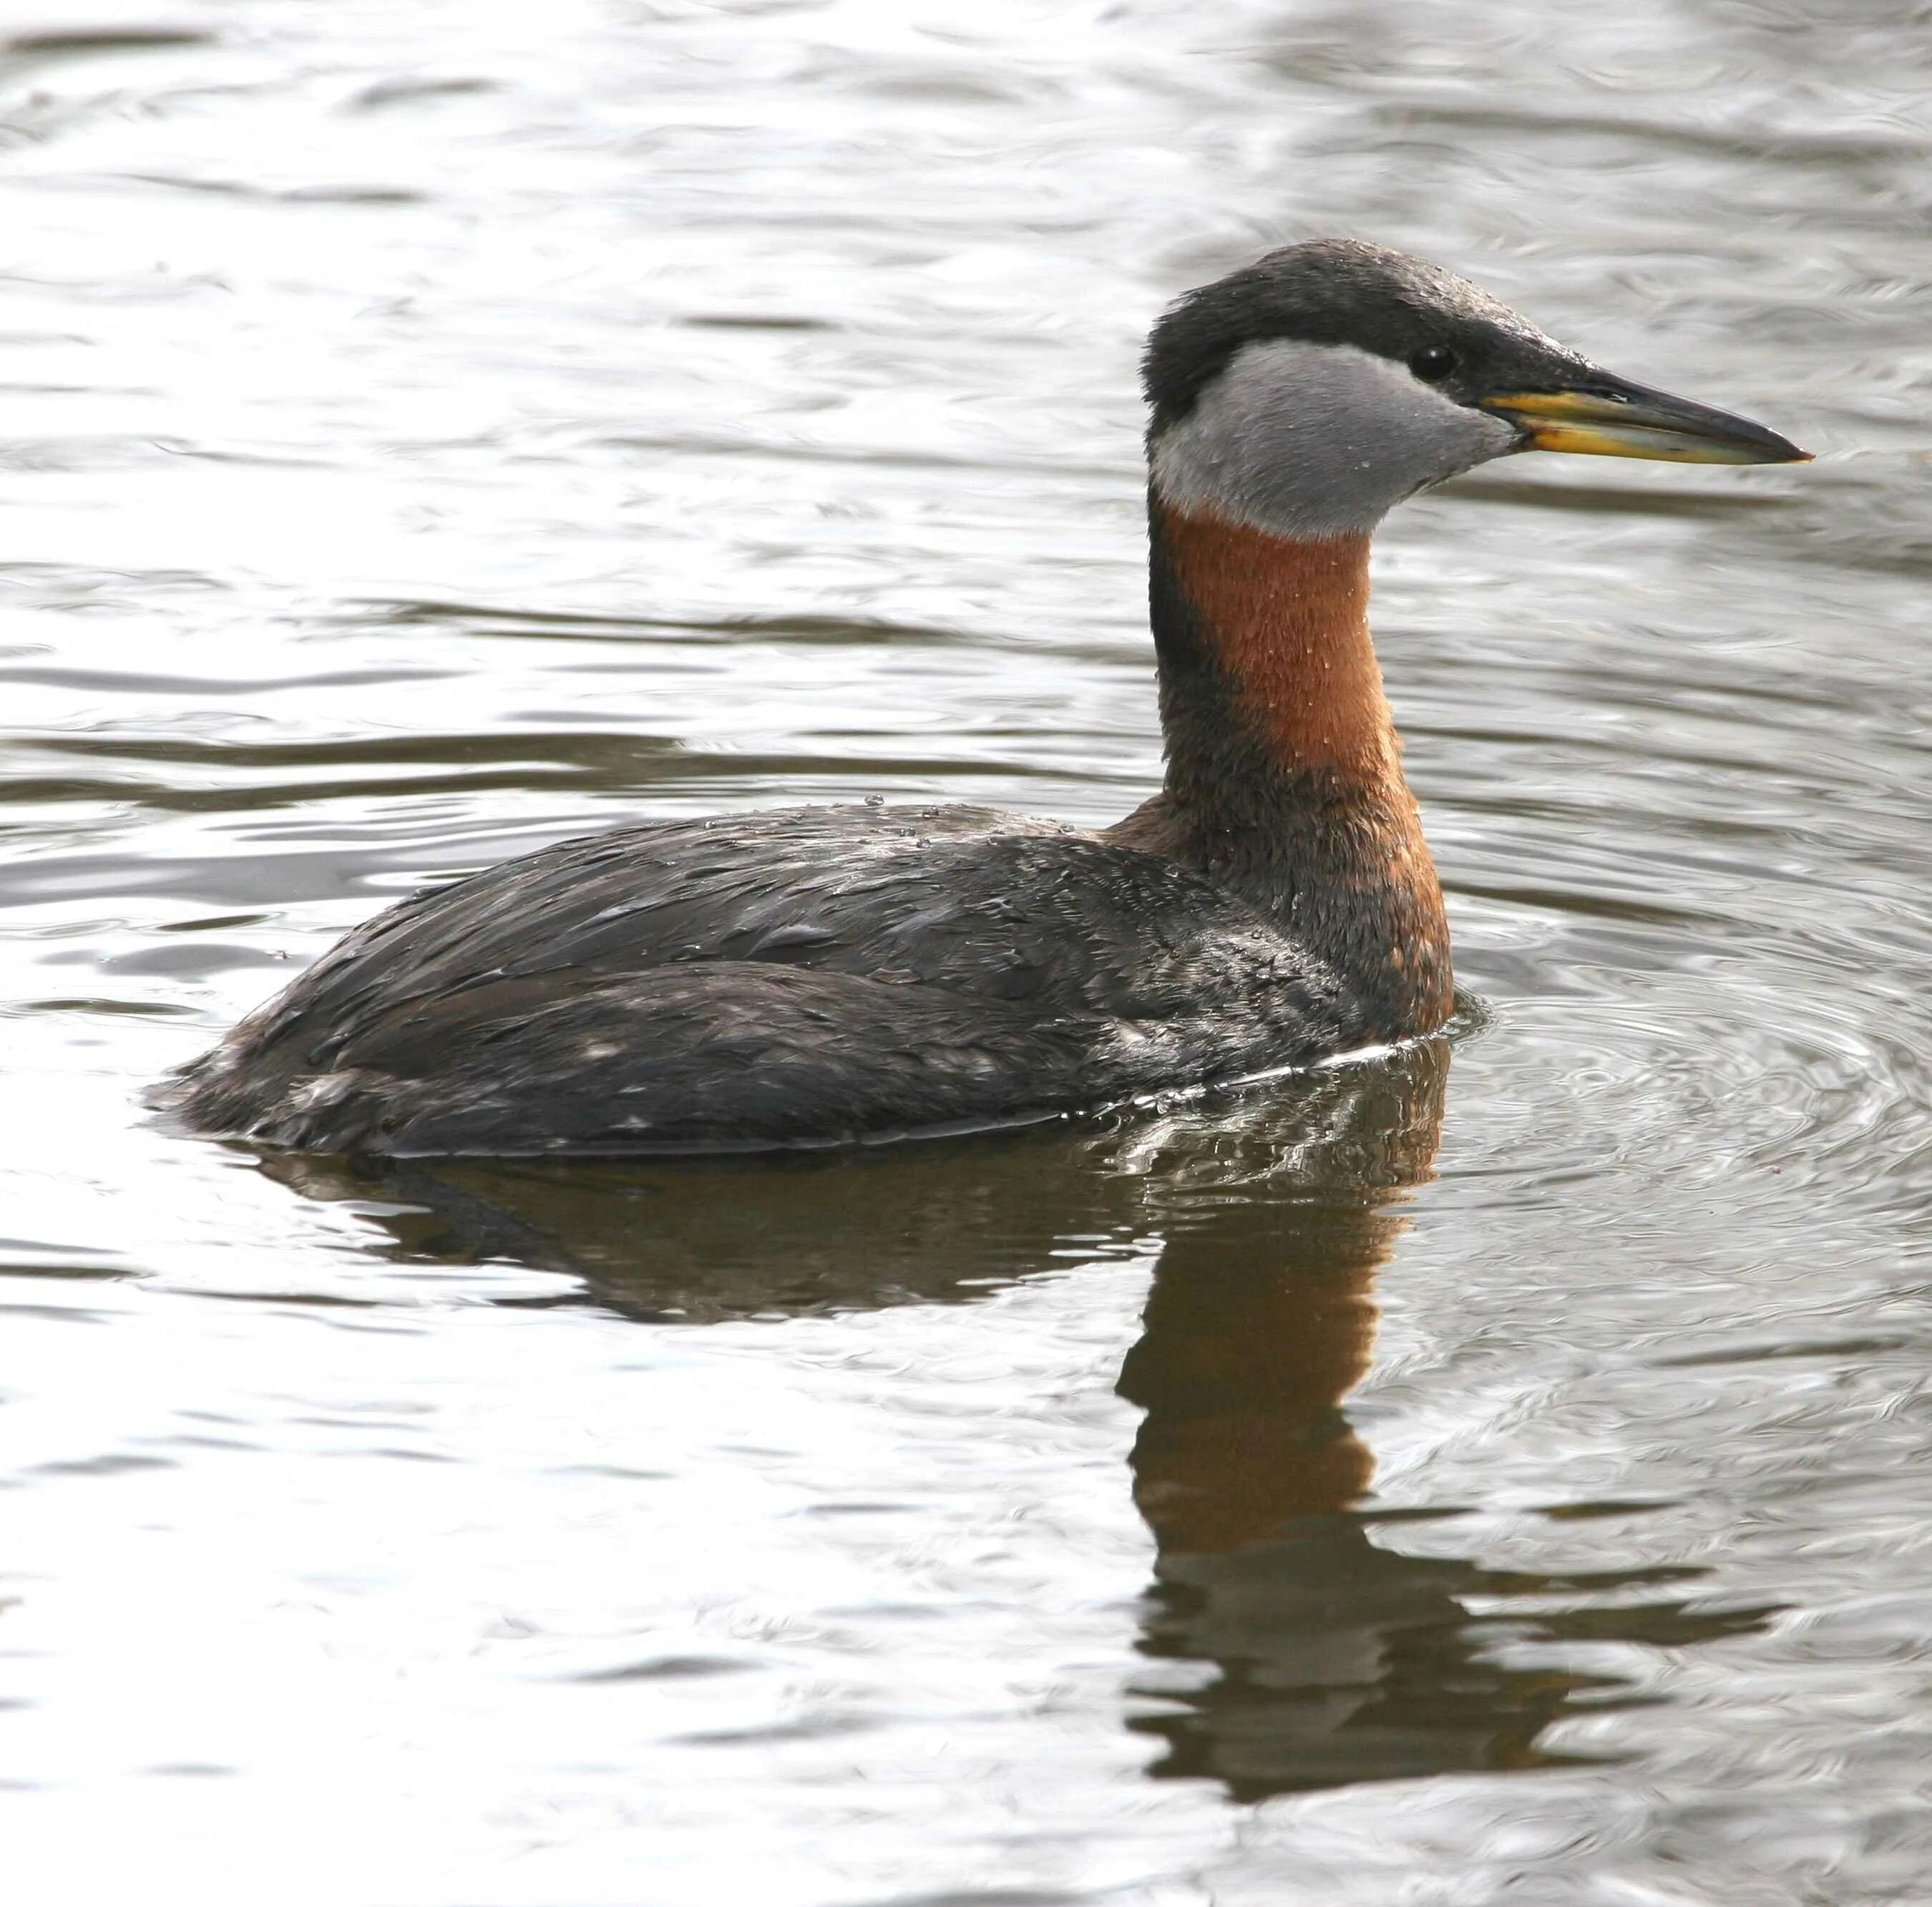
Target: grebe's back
x,y
813,974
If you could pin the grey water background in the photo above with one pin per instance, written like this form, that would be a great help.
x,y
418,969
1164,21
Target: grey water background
x,y
430,430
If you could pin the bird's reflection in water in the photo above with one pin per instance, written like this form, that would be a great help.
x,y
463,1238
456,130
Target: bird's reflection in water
x,y
1314,1651
1336,1656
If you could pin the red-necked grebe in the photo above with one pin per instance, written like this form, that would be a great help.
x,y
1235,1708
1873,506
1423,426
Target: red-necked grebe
x,y
826,974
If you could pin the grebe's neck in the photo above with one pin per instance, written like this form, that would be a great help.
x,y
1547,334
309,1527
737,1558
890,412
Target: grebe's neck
x,y
1284,779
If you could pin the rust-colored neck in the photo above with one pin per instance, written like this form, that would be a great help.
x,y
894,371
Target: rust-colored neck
x,y
1288,624
1284,776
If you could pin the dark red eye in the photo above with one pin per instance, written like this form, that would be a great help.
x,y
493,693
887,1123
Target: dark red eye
x,y
1433,363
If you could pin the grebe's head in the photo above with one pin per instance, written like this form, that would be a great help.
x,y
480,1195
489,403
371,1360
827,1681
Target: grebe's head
x,y
1308,393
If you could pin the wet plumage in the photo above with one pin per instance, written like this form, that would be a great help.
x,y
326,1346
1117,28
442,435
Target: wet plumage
x,y
821,973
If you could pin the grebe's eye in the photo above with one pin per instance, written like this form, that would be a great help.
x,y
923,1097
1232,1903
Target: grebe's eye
x,y
1433,363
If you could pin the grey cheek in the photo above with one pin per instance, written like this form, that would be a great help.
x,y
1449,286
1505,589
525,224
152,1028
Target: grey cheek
x,y
1310,440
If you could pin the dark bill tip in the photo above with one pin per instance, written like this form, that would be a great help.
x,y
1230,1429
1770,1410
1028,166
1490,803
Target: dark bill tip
x,y
1606,417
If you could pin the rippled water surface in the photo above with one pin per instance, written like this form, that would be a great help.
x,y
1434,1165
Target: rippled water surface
x,y
430,429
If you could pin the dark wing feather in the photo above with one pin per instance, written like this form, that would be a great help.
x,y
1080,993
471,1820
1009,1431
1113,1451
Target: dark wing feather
x,y
803,974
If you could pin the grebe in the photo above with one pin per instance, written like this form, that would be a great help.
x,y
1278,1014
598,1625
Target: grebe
x,y
848,973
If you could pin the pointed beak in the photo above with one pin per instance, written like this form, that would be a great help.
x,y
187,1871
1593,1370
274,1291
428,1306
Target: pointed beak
x,y
1606,417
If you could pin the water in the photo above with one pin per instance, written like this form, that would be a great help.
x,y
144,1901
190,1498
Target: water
x,y
432,430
